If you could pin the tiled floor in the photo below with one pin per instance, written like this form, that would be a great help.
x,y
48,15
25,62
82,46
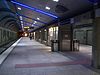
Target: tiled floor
x,y
32,58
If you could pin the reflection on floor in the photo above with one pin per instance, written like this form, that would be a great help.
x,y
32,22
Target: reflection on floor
x,y
32,58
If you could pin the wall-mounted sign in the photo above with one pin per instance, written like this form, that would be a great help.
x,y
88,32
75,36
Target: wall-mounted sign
x,y
26,27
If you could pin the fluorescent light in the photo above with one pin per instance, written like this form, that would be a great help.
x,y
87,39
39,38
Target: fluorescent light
x,y
21,22
20,17
35,21
38,18
27,27
22,25
48,8
56,0
45,30
32,25
19,8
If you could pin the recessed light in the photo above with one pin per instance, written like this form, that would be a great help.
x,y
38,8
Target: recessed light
x,y
19,8
21,18
45,30
21,22
48,8
56,0
32,25
38,18
35,21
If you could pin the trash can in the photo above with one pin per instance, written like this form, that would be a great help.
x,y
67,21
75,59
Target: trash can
x,y
75,45
54,45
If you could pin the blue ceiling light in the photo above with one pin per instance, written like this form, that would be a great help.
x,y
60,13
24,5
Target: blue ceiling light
x,y
30,18
30,23
34,9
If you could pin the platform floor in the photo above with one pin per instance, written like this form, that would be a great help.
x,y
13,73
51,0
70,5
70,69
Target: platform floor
x,y
32,58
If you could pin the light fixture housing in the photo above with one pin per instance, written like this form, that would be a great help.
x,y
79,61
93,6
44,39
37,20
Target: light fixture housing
x,y
20,17
56,0
38,18
48,8
35,21
19,8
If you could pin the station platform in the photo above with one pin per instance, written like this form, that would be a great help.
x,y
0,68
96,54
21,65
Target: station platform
x,y
29,57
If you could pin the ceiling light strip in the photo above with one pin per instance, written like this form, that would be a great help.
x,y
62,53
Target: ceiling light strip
x,y
34,9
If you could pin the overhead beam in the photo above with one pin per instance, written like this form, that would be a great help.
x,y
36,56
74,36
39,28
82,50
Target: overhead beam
x,y
30,18
34,9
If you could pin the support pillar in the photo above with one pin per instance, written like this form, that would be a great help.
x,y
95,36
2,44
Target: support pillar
x,y
96,40
65,38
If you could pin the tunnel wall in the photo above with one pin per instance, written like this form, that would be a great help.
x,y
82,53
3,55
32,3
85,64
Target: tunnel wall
x,y
6,36
8,26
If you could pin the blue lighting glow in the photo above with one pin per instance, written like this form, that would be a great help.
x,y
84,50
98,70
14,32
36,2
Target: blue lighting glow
x,y
31,18
34,9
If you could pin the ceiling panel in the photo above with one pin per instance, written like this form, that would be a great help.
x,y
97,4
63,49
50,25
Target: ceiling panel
x,y
63,8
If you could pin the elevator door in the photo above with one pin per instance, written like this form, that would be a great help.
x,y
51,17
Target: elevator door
x,y
80,35
89,37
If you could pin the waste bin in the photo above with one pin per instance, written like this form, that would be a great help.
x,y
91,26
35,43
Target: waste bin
x,y
75,45
54,45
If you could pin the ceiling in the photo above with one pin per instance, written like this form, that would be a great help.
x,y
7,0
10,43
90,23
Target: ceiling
x,y
61,9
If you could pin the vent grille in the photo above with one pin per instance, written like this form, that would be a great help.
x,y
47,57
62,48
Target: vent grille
x,y
60,9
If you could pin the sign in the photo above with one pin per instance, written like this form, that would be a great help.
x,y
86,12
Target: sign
x,y
26,27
